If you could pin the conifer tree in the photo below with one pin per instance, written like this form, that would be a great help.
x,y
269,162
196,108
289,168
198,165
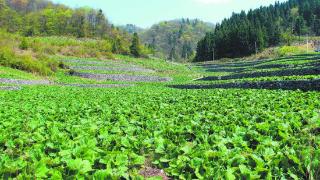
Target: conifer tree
x,y
135,47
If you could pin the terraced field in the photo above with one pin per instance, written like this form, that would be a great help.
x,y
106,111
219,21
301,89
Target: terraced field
x,y
292,73
75,127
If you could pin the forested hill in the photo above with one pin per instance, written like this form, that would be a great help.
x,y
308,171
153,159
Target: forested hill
x,y
176,39
44,18
242,33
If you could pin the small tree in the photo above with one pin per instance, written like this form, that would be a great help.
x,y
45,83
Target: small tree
x,y
300,26
24,44
287,37
135,48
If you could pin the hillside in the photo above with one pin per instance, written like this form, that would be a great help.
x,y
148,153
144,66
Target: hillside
x,y
245,33
43,18
81,99
176,40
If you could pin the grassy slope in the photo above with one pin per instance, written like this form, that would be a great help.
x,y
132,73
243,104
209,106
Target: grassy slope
x,y
6,72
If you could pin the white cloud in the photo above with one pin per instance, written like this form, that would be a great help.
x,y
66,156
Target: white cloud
x,y
213,1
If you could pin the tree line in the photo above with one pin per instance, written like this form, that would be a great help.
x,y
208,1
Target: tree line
x,y
44,18
245,33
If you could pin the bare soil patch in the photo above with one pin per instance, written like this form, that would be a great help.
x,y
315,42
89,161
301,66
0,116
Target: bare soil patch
x,y
153,172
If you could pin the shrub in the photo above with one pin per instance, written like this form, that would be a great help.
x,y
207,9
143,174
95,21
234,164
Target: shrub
x,y
24,44
109,55
41,65
63,65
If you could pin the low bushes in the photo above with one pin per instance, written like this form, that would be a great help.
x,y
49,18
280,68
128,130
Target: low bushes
x,y
41,65
68,46
15,53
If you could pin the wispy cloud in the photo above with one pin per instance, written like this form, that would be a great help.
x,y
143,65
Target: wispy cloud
x,y
212,1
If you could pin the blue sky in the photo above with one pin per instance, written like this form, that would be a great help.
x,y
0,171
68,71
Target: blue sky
x,y
144,13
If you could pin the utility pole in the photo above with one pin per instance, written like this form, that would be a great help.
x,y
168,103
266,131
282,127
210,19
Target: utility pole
x,y
213,54
307,43
255,47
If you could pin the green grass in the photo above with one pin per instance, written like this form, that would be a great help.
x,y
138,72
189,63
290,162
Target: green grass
x,y
6,72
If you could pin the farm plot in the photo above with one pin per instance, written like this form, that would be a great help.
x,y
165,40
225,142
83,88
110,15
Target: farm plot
x,y
300,72
113,71
86,73
103,131
123,133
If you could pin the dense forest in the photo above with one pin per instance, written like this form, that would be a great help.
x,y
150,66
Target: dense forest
x,y
177,39
44,18
245,33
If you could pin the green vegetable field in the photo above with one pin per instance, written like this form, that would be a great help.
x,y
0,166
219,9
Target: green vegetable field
x,y
129,90
65,132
